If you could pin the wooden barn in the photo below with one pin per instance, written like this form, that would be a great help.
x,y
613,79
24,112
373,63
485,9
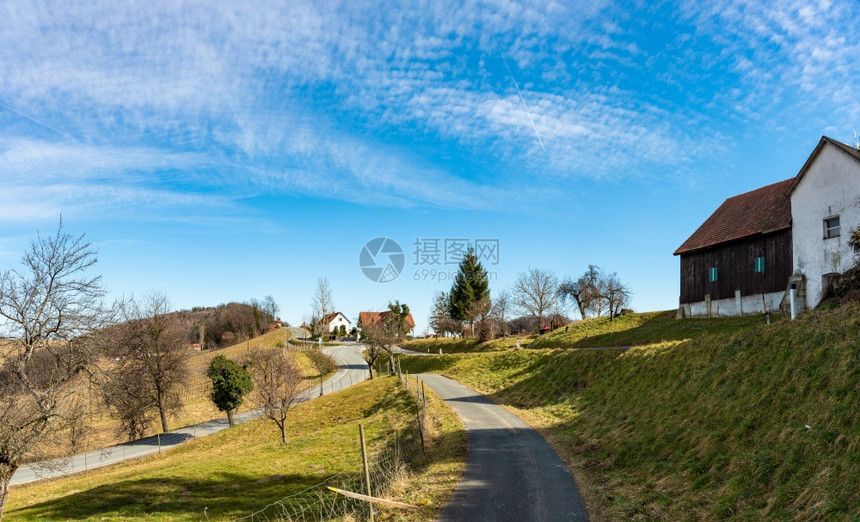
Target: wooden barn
x,y
740,260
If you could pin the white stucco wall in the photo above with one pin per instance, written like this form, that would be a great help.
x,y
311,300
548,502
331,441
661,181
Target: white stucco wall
x,y
831,187
750,304
337,321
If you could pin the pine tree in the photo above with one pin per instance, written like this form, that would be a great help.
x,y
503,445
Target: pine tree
x,y
470,291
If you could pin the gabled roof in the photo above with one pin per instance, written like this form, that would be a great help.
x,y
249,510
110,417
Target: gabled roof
x,y
327,318
376,317
851,151
760,211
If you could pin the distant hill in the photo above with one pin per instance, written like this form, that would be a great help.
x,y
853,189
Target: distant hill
x,y
225,324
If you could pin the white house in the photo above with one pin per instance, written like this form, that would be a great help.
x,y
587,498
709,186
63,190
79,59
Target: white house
x,y
335,320
825,207
747,255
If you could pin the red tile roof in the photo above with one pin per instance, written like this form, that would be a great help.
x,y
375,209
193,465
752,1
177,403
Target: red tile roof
x,y
760,211
376,317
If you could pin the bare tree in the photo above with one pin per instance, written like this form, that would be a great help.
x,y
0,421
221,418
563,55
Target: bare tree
x,y
322,363
153,364
50,312
479,312
440,318
500,311
277,384
595,292
535,292
270,306
584,291
377,340
322,305
616,294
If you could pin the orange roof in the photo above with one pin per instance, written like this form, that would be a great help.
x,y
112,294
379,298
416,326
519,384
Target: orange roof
x,y
376,317
760,211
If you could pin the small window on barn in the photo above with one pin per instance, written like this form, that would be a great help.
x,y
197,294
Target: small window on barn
x,y
712,274
759,264
831,227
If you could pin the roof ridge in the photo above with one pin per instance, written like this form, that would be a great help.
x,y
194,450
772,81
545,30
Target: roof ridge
x,y
760,211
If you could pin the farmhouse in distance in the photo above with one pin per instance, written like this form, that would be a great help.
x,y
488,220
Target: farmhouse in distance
x,y
756,246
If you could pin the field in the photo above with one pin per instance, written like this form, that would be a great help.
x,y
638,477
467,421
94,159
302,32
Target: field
x,y
197,406
241,470
759,423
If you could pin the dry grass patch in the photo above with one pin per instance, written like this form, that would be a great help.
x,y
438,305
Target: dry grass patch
x,y
243,469
102,428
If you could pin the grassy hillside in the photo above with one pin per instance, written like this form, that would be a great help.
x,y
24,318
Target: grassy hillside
x,y
241,470
102,428
627,330
464,345
761,423
639,329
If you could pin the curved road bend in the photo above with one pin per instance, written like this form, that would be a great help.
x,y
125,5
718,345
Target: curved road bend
x,y
352,370
512,473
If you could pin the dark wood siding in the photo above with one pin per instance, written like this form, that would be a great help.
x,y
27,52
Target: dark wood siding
x,y
735,266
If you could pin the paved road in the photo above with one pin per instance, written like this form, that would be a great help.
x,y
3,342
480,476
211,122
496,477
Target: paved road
x,y
512,473
298,333
352,370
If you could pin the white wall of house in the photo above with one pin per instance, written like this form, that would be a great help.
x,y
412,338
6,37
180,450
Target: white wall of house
x,y
734,306
830,187
338,320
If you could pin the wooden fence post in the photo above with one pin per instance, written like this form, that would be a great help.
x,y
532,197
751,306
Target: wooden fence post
x,y
366,468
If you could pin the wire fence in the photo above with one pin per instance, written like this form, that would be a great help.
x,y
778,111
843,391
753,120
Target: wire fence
x,y
318,503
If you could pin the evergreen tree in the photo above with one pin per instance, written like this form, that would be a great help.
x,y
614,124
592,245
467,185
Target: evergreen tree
x,y
470,291
230,382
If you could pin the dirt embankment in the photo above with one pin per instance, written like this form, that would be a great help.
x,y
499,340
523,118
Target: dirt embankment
x,y
843,288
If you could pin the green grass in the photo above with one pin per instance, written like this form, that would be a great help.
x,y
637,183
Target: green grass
x,y
600,332
241,470
639,329
465,345
710,428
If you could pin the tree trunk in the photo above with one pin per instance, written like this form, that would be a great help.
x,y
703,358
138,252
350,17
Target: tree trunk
x,y
391,362
370,369
321,385
230,417
163,413
6,472
283,427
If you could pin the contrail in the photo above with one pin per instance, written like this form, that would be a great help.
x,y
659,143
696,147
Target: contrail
x,y
43,124
522,100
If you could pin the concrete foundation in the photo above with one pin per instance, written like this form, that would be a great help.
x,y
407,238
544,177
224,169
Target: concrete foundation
x,y
733,306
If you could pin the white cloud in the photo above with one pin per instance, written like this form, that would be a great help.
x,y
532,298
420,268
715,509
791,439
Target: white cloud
x,y
267,92
788,45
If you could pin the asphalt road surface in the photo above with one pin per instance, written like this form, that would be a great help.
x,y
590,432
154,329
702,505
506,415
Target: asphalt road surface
x,y
352,370
512,473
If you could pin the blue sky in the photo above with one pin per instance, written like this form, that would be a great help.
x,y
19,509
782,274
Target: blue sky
x,y
227,151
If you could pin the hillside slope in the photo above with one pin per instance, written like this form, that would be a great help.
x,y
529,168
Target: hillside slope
x,y
762,423
245,468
